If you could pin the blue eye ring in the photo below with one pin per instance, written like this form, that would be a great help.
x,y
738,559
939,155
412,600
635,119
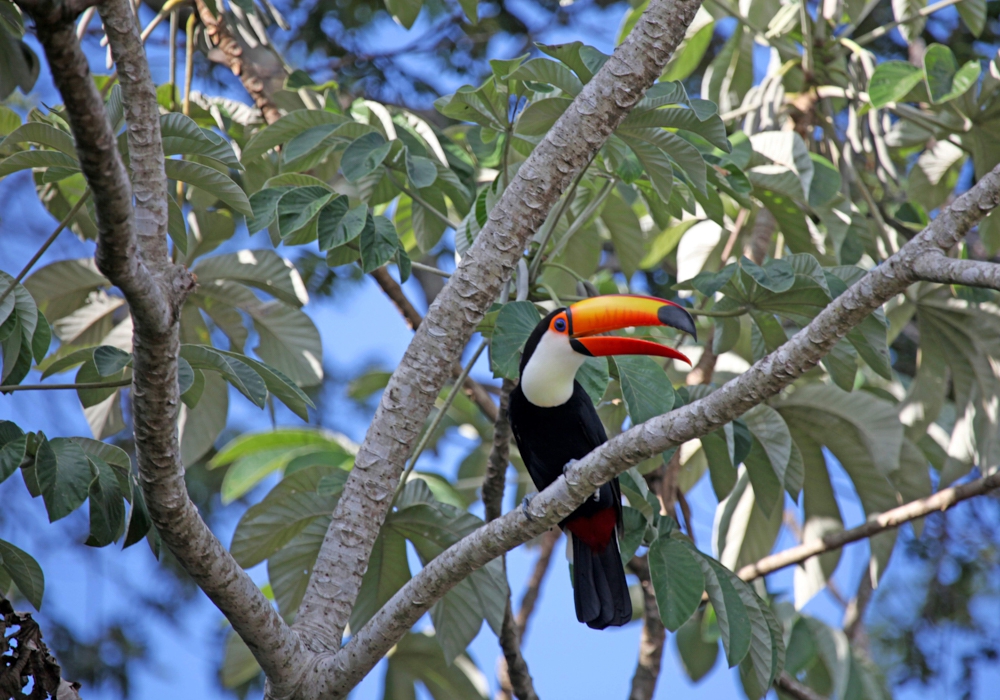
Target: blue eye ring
x,y
560,325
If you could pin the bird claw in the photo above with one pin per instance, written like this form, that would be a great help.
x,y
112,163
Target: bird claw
x,y
524,506
568,465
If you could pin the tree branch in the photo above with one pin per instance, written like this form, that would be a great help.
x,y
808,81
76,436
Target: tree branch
x,y
145,145
971,273
514,666
132,254
797,690
534,587
654,634
231,54
890,519
566,149
473,389
764,379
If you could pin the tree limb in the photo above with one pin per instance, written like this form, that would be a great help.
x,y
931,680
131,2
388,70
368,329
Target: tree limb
x,y
654,634
971,273
797,690
764,379
231,54
566,149
890,519
514,667
473,389
132,254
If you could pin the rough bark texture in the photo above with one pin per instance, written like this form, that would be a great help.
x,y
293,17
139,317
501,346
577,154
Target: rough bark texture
x,y
406,402
797,690
473,389
971,273
132,253
764,379
258,80
651,642
495,480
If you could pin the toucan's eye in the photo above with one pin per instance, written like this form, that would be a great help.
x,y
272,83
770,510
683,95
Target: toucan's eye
x,y
560,325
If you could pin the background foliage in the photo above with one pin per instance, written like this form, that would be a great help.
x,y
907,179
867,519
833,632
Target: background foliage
x,y
788,147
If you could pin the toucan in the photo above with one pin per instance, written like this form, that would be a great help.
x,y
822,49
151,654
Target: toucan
x,y
555,423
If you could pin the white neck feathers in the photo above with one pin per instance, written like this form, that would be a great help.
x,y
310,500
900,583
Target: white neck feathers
x,y
547,379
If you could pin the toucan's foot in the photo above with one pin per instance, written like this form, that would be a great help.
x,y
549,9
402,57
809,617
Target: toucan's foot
x,y
568,465
524,506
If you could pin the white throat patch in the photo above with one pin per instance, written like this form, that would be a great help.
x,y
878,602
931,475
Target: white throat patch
x,y
548,377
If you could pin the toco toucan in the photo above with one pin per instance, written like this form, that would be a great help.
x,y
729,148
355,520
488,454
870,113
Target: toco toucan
x,y
555,423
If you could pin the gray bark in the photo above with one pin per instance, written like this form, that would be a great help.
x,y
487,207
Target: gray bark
x,y
763,380
407,400
132,254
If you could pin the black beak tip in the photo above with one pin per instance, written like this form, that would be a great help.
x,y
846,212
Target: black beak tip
x,y
677,317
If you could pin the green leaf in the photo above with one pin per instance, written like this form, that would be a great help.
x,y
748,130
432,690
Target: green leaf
x,y
973,13
63,474
945,80
338,226
686,156
677,579
734,620
387,572
24,571
289,342
364,155
280,386
892,81
299,207
542,70
421,172
379,243
645,387
24,160
263,269
211,181
626,232
711,129
771,432
239,666
418,657
471,10
283,438
107,505
44,135
42,338
13,444
287,128
908,10
201,424
235,371
182,136
776,275
698,655
514,324
594,377
283,514
289,568
538,117
110,360
264,205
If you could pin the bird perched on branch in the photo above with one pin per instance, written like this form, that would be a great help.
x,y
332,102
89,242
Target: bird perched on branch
x,y
555,423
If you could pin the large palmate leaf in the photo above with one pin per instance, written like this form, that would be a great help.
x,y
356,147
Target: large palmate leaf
x,y
512,327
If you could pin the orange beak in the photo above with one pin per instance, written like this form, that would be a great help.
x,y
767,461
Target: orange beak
x,y
616,311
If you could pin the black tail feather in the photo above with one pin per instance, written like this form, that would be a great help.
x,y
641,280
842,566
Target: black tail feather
x,y
599,587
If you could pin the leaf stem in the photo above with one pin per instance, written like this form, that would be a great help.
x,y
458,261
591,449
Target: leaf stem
x,y
426,438
428,268
420,200
550,224
565,268
45,246
581,221
886,28
55,387
739,311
